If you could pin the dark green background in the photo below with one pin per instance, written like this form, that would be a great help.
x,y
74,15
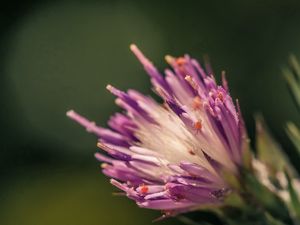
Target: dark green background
x,y
59,55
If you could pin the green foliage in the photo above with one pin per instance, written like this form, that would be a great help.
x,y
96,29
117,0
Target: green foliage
x,y
294,134
272,221
294,199
292,75
264,198
268,150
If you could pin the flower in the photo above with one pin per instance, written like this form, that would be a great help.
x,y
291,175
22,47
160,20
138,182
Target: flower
x,y
172,156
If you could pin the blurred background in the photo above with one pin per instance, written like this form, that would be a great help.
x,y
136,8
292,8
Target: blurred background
x,y
59,55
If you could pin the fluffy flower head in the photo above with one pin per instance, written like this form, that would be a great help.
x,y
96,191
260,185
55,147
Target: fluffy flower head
x,y
171,156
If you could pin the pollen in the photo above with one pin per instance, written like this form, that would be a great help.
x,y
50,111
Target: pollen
x,y
180,61
198,125
220,96
144,189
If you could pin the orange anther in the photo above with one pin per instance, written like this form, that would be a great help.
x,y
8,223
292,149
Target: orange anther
x,y
180,61
220,96
144,189
198,125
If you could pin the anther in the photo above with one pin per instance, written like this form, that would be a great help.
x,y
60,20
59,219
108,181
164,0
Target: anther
x,y
190,80
220,96
198,125
144,189
180,61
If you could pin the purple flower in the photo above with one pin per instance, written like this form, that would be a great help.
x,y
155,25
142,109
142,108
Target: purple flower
x,y
172,156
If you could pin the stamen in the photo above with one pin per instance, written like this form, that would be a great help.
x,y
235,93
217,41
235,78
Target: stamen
x,y
198,125
160,92
144,189
145,61
180,61
109,87
220,96
104,165
90,129
224,81
169,59
190,80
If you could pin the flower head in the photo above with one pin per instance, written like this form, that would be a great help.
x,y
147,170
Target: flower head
x,y
171,156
